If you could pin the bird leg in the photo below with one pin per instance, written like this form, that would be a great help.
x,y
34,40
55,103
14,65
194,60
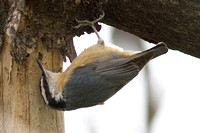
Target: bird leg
x,y
91,23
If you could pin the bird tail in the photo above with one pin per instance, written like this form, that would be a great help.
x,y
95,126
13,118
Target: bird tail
x,y
160,49
141,59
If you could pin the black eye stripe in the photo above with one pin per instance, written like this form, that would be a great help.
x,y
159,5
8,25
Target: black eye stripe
x,y
46,88
52,102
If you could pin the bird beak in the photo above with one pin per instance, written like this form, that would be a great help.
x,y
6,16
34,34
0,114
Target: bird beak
x,y
42,68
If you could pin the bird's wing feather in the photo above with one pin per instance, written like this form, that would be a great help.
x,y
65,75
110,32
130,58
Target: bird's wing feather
x,y
96,82
122,69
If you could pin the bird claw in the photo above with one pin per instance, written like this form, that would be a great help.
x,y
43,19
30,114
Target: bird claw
x,y
90,23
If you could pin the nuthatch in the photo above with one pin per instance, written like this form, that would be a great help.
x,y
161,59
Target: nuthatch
x,y
95,75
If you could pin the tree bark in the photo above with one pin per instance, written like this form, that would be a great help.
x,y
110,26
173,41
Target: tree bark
x,y
22,109
175,22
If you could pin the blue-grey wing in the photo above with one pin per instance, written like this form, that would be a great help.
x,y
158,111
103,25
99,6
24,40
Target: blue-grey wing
x,y
96,82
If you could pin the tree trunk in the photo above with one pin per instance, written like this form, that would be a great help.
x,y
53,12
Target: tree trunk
x,y
30,30
22,108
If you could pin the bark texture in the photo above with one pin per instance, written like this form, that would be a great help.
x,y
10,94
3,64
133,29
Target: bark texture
x,y
173,22
22,109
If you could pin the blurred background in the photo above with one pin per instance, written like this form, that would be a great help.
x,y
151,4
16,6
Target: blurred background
x,y
163,98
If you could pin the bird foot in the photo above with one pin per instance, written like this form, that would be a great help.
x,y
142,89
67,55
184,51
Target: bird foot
x,y
91,23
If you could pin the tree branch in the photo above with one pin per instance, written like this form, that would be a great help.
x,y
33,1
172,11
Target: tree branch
x,y
172,21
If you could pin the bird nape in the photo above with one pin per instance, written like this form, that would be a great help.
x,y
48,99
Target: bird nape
x,y
95,75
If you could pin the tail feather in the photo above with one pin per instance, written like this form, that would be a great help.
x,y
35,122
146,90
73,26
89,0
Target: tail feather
x,y
141,59
160,49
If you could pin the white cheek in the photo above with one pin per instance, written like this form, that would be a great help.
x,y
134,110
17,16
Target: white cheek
x,y
58,96
43,92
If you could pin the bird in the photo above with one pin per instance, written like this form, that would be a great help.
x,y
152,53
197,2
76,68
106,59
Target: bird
x,y
94,76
